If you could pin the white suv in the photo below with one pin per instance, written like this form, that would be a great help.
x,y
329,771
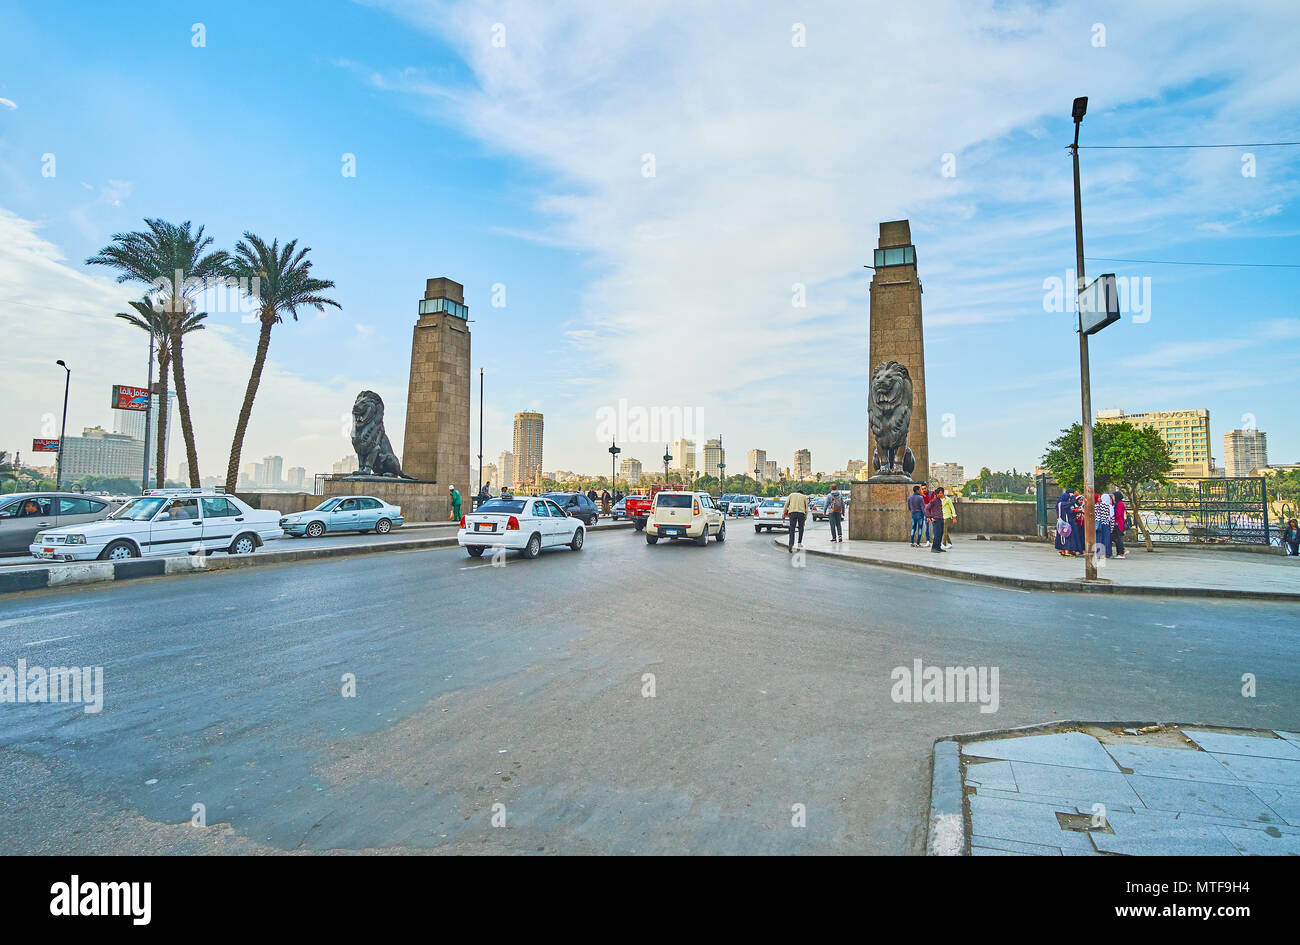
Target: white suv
x,y
685,515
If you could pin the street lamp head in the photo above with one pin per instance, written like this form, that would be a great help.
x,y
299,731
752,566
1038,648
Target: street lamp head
x,y
1080,108
61,364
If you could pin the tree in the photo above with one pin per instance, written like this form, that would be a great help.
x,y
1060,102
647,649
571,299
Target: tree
x,y
1122,454
284,283
8,469
175,264
158,323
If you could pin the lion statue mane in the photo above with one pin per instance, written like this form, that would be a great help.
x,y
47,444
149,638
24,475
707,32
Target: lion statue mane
x,y
375,455
889,414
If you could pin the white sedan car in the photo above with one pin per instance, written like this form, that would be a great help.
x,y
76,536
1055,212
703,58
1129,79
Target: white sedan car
x,y
770,514
165,521
524,524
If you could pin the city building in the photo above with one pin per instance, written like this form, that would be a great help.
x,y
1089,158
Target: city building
x,y
854,467
802,464
756,462
131,423
296,477
683,454
630,469
344,467
1244,451
949,475
528,446
272,471
1187,432
771,472
505,470
714,456
100,453
491,477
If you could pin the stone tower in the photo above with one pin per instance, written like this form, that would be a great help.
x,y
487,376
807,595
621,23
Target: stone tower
x,y
896,330
438,399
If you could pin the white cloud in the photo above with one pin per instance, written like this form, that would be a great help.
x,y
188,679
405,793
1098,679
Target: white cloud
x,y
9,103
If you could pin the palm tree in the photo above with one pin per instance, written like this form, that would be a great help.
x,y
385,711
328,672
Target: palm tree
x,y
283,283
174,263
159,324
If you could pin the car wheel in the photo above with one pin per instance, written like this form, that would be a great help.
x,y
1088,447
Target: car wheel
x,y
475,551
119,551
650,539
576,544
757,529
637,526
243,545
534,546
704,537
592,520
383,526
722,532
315,529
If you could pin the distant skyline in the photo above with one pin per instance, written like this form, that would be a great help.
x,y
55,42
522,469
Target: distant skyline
x,y
679,220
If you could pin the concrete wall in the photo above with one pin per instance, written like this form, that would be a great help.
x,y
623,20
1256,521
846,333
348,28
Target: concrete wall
x,y
419,501
996,518
285,502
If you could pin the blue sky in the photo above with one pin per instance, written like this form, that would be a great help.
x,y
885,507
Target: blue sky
x,y
523,164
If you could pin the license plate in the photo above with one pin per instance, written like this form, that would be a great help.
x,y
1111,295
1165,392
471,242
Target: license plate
x,y
672,531
480,527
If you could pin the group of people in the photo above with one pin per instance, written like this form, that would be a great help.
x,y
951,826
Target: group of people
x,y
934,512
604,499
1109,518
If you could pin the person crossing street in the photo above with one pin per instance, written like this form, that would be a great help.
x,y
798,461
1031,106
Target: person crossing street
x,y
835,512
796,510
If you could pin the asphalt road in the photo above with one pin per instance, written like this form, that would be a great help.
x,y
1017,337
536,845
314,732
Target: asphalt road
x,y
523,686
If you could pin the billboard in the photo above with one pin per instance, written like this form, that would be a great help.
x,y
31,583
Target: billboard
x,y
45,445
130,398
1098,304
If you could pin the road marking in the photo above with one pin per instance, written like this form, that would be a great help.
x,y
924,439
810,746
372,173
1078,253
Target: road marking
x,y
52,640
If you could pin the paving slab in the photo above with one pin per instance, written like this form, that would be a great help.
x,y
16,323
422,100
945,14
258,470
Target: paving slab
x,y
1262,770
1074,749
1201,797
1251,842
1136,835
1159,762
1264,746
1084,785
1285,802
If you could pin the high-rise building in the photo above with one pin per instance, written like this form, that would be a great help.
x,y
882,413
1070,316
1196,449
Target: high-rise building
x,y
344,467
771,472
949,475
100,453
528,447
683,453
1187,432
131,423
506,469
854,467
296,477
756,462
802,464
714,455
1244,451
630,469
272,471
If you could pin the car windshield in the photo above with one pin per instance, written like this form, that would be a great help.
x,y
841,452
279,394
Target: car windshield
x,y
327,505
504,506
768,503
139,510
673,501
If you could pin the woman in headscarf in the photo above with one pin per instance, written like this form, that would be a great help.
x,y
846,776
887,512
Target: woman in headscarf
x,y
1105,517
1117,533
1063,515
1076,541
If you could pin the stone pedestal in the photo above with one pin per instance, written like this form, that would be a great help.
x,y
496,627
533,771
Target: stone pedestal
x,y
419,501
878,511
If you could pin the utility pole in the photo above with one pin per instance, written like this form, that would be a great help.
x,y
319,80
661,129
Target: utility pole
x,y
148,416
1085,379
480,433
63,431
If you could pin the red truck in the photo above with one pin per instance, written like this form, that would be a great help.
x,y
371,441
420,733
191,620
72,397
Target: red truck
x,y
638,506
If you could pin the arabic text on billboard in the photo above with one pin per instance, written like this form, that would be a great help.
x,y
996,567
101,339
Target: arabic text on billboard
x,y
130,398
45,446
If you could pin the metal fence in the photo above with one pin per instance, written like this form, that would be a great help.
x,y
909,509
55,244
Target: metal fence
x,y
1208,511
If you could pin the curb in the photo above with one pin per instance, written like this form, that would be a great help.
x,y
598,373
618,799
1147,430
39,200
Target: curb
x,y
1076,587
98,572
947,833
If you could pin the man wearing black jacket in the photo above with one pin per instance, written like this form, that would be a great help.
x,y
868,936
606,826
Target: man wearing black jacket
x,y
934,512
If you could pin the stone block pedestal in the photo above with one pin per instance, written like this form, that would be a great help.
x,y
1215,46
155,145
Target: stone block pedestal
x,y
878,511
419,501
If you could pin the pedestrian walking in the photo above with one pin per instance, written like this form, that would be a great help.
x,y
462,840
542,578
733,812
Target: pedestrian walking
x,y
1291,539
1104,518
835,511
949,519
916,505
455,502
1117,530
604,502
934,515
796,510
926,496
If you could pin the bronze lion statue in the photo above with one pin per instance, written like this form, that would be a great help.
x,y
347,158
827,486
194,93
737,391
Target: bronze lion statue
x,y
375,455
889,414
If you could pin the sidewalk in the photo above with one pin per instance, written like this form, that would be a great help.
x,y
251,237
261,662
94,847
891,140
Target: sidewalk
x,y
1032,565
1082,789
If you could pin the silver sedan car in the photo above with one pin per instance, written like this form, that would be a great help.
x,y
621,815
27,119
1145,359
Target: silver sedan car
x,y
24,514
360,513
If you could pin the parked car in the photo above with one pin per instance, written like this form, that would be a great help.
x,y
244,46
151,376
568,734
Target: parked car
x,y
770,514
742,505
577,505
685,515
817,507
724,501
619,512
524,524
164,521
361,513
23,514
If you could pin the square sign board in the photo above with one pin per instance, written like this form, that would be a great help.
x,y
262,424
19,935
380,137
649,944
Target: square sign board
x,y
1098,304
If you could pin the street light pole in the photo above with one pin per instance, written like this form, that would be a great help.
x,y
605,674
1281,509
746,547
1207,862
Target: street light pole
x,y
1085,378
480,432
667,459
148,416
63,430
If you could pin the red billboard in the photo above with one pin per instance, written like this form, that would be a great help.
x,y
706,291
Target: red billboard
x,y
130,398
45,446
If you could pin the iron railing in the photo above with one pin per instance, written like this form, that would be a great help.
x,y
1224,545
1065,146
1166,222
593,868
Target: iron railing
x,y
1207,511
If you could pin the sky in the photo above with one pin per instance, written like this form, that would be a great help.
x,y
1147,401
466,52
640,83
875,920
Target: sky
x,y
646,191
